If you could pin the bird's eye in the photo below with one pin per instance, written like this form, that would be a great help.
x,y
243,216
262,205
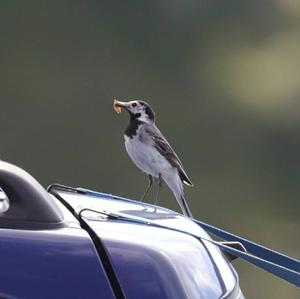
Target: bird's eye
x,y
133,105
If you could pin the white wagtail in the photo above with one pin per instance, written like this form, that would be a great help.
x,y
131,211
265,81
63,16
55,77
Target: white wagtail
x,y
152,153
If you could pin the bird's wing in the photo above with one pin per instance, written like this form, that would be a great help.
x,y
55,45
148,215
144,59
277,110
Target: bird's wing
x,y
165,149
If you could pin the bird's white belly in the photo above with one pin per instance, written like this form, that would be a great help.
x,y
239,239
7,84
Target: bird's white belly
x,y
146,157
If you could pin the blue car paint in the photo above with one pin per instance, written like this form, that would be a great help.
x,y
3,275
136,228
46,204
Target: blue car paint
x,y
149,262
50,251
154,269
154,262
60,263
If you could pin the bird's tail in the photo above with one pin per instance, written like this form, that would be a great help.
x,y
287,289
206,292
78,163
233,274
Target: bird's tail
x,y
183,204
175,184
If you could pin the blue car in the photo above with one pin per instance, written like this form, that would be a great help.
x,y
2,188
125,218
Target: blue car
x,y
75,243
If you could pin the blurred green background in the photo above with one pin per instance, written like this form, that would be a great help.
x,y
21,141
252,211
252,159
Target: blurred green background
x,y
222,76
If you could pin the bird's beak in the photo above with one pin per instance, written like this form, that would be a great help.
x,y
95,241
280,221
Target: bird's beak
x,y
118,105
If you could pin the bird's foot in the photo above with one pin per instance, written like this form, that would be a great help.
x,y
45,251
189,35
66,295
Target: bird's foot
x,y
147,210
155,210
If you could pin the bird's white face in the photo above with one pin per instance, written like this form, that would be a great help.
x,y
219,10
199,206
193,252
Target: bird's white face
x,y
139,110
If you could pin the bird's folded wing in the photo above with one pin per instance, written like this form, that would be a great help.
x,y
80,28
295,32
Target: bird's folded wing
x,y
165,149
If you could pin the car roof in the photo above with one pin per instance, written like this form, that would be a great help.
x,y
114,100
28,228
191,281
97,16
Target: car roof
x,y
198,259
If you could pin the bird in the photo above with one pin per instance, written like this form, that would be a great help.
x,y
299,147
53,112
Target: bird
x,y
151,152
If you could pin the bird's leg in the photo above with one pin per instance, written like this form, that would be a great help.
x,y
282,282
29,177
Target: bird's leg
x,y
159,187
148,188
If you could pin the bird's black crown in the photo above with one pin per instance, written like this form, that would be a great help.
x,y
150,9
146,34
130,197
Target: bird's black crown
x,y
148,110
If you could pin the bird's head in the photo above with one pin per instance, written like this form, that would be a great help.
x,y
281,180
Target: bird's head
x,y
139,110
